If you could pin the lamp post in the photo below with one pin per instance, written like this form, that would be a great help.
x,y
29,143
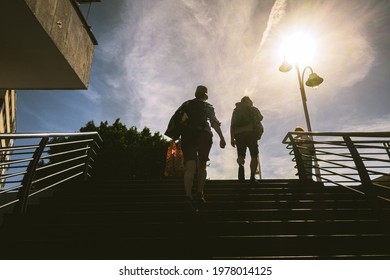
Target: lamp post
x,y
313,81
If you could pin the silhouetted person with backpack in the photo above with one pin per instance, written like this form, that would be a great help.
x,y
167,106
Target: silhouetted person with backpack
x,y
196,141
245,130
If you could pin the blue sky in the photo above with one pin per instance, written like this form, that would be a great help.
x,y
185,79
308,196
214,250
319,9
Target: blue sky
x,y
153,53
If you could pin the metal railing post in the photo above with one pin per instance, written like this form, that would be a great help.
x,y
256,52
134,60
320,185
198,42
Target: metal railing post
x,y
298,159
316,167
24,191
361,168
88,160
387,146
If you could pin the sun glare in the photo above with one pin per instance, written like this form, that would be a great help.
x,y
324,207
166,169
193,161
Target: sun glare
x,y
298,48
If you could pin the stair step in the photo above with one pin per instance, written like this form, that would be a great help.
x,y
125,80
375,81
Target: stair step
x,y
178,229
176,204
325,247
268,214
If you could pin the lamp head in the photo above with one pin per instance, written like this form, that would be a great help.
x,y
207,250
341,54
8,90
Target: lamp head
x,y
314,80
285,67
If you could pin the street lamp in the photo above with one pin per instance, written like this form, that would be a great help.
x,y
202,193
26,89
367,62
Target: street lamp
x,y
313,81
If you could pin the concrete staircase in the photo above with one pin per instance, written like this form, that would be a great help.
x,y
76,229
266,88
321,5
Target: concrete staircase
x,y
277,219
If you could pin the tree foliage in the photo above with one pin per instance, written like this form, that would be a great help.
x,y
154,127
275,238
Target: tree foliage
x,y
128,153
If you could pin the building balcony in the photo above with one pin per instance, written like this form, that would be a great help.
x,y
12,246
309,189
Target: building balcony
x,y
45,45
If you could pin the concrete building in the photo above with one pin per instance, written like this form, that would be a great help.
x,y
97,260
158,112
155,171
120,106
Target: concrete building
x,y
7,111
7,125
45,45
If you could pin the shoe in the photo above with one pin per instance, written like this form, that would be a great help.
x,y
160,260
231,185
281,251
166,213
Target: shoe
x,y
253,181
189,206
199,198
241,173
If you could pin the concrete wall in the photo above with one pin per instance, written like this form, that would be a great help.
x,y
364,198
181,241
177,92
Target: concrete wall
x,y
65,27
45,44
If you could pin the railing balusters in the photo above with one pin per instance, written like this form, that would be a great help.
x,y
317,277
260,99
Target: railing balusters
x,y
359,161
33,168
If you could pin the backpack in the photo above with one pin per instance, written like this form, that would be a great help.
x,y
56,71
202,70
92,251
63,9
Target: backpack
x,y
248,115
243,116
259,130
197,117
256,118
177,123
189,118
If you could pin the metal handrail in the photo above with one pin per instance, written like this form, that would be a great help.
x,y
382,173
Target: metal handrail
x,y
36,162
355,160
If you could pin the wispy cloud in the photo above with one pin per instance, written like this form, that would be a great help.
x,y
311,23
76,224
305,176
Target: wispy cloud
x,y
369,125
163,49
277,13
